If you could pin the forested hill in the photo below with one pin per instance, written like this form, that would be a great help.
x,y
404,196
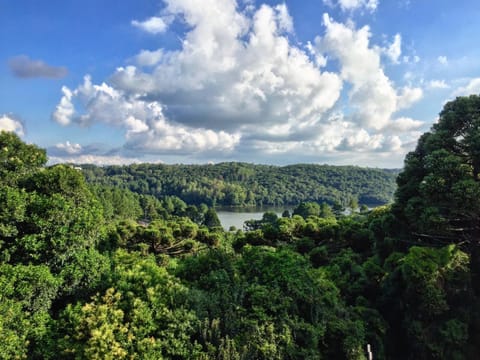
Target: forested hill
x,y
242,184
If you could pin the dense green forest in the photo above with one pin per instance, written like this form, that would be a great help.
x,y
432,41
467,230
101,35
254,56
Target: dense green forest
x,y
92,270
241,184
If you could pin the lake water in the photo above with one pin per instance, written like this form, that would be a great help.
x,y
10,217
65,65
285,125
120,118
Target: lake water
x,y
236,217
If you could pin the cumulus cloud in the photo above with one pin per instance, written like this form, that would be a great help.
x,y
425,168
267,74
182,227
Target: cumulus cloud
x,y
239,85
153,25
373,95
230,73
24,67
9,123
146,127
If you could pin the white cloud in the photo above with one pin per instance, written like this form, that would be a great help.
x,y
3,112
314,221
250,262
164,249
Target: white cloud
x,y
153,25
415,59
285,21
472,87
10,124
93,159
64,110
69,148
146,127
408,96
372,95
404,124
394,51
361,141
351,5
443,60
230,73
149,58
438,84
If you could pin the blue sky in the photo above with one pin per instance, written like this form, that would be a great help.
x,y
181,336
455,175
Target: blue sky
x,y
197,81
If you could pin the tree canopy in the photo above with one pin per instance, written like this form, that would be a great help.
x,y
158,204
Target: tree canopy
x,y
242,184
439,189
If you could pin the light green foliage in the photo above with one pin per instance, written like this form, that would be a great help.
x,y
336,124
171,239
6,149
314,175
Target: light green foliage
x,y
142,316
98,329
13,325
18,159
50,219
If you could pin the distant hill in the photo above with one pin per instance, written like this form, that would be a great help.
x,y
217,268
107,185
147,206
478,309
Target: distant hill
x,y
243,184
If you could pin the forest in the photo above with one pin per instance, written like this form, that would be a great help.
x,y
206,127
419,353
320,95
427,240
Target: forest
x,y
242,184
104,263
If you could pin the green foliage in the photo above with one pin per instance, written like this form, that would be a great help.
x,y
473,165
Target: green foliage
x,y
307,209
142,316
26,294
18,159
124,204
241,184
438,190
434,289
211,219
84,274
48,220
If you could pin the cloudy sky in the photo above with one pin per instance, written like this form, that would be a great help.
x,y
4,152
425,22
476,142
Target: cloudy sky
x,y
197,81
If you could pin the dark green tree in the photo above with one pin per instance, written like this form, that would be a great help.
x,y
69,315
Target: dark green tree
x,y
211,219
307,209
439,188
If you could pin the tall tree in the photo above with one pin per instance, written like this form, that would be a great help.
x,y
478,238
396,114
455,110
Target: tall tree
x,y
439,188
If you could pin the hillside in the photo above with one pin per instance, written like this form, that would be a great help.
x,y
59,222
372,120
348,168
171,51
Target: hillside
x,y
242,184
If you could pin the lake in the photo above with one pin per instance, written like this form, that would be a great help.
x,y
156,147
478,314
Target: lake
x,y
236,217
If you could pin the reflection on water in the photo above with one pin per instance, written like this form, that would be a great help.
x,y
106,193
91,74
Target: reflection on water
x,y
237,216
